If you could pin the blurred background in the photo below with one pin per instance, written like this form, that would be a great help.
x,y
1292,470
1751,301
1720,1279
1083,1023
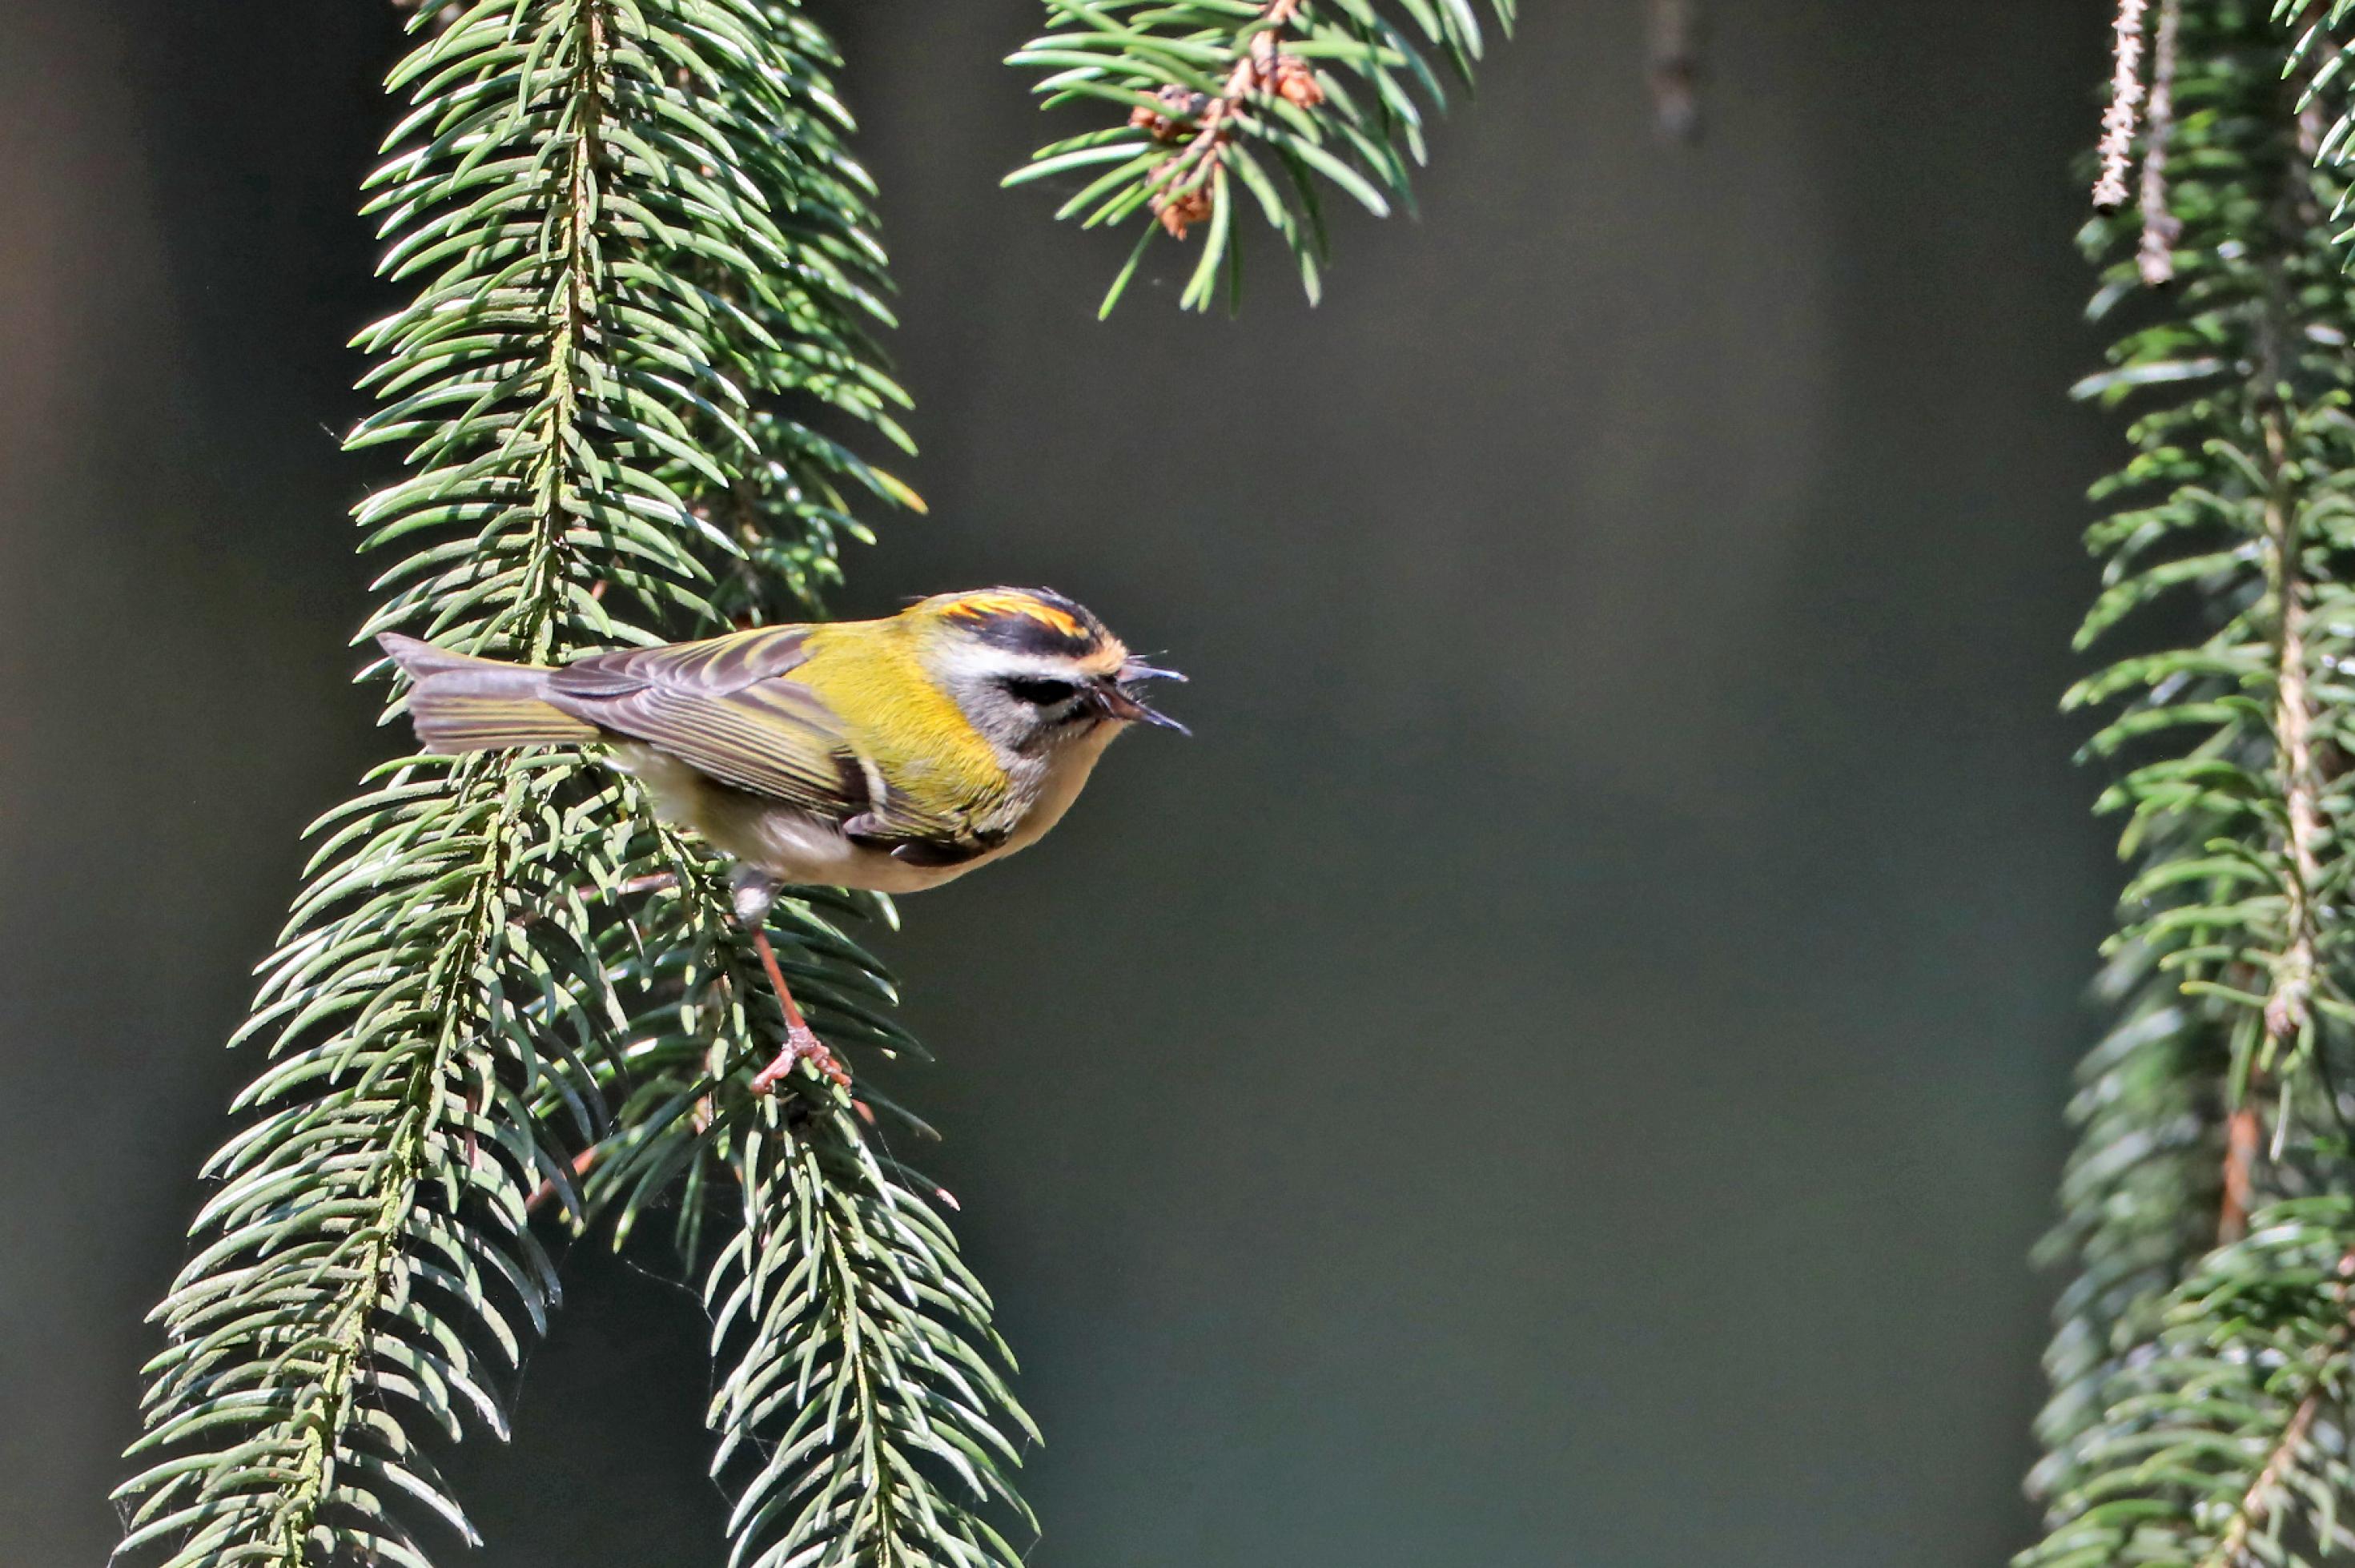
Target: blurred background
x,y
1565,1067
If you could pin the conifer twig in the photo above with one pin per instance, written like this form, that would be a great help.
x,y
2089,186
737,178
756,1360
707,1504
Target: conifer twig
x,y
1182,187
1229,103
2160,228
1673,65
2288,1003
2125,99
2243,1145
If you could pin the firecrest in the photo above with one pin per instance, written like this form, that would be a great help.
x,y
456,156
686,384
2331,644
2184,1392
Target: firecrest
x,y
891,755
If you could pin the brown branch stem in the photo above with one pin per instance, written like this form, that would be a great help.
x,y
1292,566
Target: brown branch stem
x,y
2288,1007
2257,1501
2160,227
2242,1137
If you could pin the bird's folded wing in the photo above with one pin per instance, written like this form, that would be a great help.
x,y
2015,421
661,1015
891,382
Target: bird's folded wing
x,y
727,707
716,667
724,707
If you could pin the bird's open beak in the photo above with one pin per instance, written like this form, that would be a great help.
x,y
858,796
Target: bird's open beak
x,y
1113,698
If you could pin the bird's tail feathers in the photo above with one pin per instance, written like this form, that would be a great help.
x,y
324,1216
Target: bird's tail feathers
x,y
461,703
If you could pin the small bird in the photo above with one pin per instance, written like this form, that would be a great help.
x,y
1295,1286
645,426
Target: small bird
x,y
893,754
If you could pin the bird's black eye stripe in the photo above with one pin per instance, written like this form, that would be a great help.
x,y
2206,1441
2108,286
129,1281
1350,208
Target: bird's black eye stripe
x,y
1041,693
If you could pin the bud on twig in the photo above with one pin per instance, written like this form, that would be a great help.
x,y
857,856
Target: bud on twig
x,y
1181,210
1295,83
1179,108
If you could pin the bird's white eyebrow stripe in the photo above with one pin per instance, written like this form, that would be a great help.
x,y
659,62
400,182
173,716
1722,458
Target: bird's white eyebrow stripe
x,y
1002,664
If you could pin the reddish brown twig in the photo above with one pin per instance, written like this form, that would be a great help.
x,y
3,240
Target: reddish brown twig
x,y
582,1162
2241,1139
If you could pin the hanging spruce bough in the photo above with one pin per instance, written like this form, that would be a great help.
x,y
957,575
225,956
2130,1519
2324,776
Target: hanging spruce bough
x,y
2201,1364
637,246
1228,101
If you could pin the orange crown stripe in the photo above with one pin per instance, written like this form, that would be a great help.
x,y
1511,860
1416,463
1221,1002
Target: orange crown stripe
x,y
981,606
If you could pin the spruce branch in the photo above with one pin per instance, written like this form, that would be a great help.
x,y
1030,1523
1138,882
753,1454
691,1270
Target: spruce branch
x,y
864,1409
641,257
2197,1367
861,1408
1224,99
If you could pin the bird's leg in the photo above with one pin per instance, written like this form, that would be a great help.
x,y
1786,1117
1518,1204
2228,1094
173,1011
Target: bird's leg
x,y
802,1043
754,894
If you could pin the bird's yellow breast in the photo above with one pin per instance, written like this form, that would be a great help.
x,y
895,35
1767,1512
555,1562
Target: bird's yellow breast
x,y
898,718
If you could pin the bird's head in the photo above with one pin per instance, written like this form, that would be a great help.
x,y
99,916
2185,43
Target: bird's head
x,y
1030,669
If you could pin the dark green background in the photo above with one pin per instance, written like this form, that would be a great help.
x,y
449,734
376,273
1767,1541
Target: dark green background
x,y
1564,1069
